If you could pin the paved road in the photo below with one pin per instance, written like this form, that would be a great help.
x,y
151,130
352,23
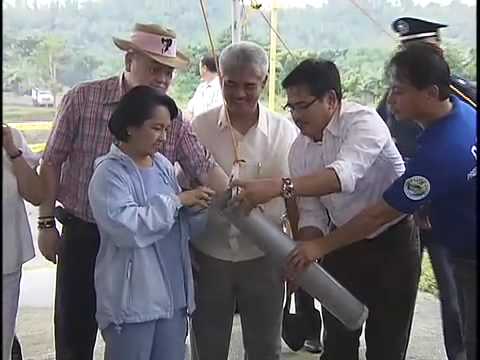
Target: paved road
x,y
35,322
18,100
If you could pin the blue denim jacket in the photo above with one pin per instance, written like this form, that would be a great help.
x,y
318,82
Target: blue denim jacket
x,y
130,279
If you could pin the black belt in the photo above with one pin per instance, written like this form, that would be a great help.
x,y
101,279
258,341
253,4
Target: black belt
x,y
67,218
404,221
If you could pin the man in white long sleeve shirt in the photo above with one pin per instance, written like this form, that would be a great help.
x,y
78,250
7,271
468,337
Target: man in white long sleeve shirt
x,y
342,162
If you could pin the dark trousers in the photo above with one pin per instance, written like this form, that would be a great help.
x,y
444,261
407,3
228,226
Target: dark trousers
x,y
465,274
449,302
304,304
75,301
258,288
383,273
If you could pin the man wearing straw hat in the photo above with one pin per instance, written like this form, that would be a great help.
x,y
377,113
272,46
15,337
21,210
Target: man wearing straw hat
x,y
78,137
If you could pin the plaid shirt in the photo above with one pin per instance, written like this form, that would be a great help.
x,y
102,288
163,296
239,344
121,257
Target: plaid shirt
x,y
80,135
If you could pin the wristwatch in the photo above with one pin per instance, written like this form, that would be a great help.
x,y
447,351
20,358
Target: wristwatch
x,y
17,155
287,190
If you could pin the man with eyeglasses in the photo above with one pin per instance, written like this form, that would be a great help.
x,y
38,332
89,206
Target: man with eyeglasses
x,y
343,160
79,136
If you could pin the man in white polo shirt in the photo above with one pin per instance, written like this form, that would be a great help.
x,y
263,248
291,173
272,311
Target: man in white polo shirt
x,y
232,269
208,94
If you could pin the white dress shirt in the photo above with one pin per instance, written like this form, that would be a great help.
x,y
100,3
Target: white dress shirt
x,y
358,146
17,237
208,95
265,149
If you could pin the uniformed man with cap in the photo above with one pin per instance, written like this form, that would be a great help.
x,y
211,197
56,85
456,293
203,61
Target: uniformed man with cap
x,y
412,30
405,133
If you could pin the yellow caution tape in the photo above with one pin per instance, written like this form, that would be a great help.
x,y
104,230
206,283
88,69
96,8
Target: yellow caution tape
x,y
37,148
463,96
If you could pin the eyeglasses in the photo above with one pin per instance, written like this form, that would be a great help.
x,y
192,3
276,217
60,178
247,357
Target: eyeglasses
x,y
153,67
291,108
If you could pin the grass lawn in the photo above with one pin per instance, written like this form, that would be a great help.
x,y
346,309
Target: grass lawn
x,y
16,113
427,279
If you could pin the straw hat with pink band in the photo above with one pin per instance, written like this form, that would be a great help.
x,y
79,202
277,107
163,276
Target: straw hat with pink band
x,y
158,43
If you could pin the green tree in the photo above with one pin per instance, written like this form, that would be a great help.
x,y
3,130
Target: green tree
x,y
20,76
83,66
49,56
462,61
20,72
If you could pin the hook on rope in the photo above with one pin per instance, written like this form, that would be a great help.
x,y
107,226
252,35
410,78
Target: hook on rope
x,y
237,160
255,5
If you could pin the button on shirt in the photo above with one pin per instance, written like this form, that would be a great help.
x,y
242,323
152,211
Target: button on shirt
x,y
17,237
358,146
443,173
208,95
80,135
265,149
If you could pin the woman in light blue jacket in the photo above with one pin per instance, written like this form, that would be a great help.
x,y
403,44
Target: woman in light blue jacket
x,y
143,275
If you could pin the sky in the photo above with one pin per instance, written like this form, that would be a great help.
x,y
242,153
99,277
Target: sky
x,y
300,3
317,2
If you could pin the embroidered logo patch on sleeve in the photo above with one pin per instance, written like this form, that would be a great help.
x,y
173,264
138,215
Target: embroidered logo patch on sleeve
x,y
416,187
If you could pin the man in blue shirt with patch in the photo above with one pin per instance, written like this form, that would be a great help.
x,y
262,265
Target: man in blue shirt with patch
x,y
442,174
411,31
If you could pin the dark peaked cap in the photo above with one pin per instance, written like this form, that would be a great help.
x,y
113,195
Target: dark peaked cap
x,y
411,28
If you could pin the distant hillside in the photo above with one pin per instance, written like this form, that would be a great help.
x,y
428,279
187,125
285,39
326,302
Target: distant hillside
x,y
65,43
336,25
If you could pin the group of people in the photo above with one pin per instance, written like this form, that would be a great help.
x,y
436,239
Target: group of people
x,y
139,256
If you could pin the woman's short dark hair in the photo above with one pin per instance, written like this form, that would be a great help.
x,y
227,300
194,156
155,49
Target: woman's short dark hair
x,y
319,76
422,65
209,62
136,107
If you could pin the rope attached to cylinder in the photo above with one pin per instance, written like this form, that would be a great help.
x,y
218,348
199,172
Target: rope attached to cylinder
x,y
235,173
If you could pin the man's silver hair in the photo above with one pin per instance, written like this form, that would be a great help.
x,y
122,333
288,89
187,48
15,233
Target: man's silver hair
x,y
241,54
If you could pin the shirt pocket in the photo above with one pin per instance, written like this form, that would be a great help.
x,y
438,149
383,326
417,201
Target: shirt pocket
x,y
147,289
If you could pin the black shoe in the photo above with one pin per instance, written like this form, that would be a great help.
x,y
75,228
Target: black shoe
x,y
16,350
313,346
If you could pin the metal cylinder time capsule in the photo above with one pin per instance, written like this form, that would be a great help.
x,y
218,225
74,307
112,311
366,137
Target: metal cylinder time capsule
x,y
314,280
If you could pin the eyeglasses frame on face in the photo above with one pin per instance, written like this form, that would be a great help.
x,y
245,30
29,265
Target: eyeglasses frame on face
x,y
291,108
151,66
